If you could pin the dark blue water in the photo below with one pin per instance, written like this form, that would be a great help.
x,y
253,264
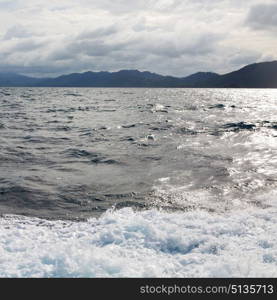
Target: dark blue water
x,y
69,153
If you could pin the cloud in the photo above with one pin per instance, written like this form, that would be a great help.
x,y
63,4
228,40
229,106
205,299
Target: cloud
x,y
263,17
175,37
101,32
16,32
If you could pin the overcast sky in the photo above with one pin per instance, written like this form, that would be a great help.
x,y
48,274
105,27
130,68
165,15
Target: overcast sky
x,y
173,37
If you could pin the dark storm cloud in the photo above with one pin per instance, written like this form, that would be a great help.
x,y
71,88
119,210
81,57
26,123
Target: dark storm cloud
x,y
26,45
97,33
16,32
195,46
90,46
94,48
263,16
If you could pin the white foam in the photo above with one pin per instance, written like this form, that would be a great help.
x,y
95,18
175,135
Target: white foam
x,y
152,243
158,107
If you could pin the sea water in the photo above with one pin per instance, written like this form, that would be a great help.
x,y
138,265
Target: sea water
x,y
138,182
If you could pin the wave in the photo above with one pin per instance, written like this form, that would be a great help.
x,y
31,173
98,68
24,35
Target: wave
x,y
92,157
148,243
239,126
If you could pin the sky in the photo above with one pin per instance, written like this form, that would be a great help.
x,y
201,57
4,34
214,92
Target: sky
x,y
170,37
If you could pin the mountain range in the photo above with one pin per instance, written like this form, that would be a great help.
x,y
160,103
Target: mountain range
x,y
258,75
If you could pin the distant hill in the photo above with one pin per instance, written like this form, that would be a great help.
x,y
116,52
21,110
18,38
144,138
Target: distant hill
x,y
258,75
199,79
123,78
12,79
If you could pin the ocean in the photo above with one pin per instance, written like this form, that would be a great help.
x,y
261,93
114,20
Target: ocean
x,y
126,182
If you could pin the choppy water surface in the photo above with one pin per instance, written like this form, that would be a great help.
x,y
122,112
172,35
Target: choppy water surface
x,y
191,173
73,153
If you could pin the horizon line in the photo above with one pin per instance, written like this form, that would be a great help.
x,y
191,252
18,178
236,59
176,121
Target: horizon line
x,y
138,70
